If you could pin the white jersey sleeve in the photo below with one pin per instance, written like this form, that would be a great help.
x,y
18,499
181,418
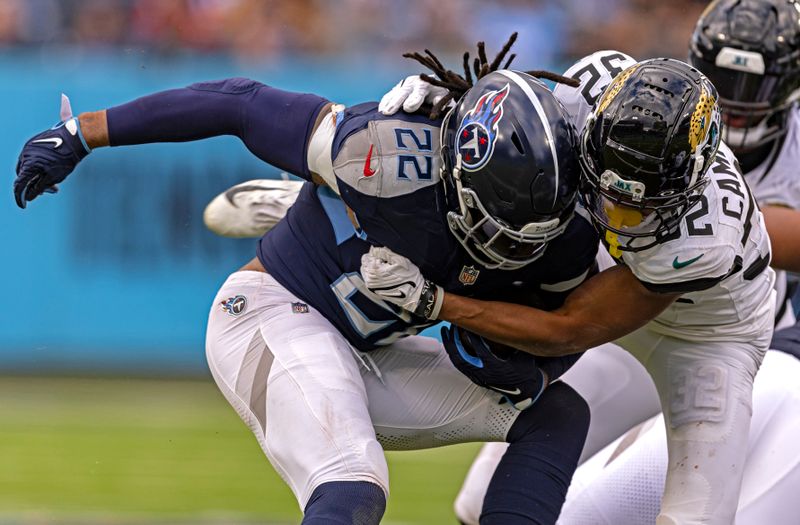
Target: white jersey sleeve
x,y
718,260
595,72
777,180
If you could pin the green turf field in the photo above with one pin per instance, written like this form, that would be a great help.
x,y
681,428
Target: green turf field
x,y
131,451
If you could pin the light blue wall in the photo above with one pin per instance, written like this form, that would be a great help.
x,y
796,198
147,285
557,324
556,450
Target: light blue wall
x,y
117,271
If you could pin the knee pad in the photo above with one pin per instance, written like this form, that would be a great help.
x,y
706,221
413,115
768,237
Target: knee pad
x,y
345,503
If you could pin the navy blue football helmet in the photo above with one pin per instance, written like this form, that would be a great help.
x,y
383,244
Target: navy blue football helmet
x,y
750,50
510,169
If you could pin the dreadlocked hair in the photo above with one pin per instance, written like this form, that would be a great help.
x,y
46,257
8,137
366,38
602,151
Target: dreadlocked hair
x,y
456,85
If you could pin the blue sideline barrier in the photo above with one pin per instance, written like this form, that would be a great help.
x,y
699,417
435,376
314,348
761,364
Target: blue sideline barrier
x,y
116,272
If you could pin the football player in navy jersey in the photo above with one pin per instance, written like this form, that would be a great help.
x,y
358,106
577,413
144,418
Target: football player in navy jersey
x,y
320,368
691,295
758,84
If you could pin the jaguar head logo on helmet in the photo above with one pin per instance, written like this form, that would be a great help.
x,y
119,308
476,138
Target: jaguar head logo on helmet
x,y
645,150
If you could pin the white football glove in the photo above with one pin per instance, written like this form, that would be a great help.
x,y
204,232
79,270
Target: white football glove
x,y
252,208
410,93
397,280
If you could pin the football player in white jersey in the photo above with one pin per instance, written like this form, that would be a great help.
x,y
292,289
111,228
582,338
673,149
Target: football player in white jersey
x,y
691,243
758,83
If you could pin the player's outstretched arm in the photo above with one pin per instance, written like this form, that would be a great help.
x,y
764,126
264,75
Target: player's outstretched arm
x,y
607,306
782,226
275,125
604,308
269,200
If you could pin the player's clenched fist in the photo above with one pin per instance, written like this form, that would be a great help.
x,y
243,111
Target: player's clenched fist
x,y
512,373
47,158
397,280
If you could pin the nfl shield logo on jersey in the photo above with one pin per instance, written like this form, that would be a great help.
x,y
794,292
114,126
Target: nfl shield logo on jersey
x,y
468,275
234,305
299,308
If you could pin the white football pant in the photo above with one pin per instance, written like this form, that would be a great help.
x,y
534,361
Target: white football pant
x,y
623,483
322,411
706,389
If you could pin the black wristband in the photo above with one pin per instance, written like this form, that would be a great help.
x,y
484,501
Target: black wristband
x,y
430,301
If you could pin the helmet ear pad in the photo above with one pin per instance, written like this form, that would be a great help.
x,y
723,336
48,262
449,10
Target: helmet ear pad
x,y
510,161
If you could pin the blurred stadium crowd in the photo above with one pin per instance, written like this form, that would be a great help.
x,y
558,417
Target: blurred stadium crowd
x,y
262,30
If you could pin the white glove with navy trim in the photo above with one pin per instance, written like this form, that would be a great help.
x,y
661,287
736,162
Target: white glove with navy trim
x,y
410,93
397,280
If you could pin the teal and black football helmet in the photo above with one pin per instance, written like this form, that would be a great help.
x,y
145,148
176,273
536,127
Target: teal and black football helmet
x,y
645,150
750,50
510,169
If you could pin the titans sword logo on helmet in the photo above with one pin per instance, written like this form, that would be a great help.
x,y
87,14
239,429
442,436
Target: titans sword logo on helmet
x,y
478,130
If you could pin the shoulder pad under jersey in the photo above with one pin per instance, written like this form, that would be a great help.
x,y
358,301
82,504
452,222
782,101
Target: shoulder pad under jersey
x,y
386,156
595,72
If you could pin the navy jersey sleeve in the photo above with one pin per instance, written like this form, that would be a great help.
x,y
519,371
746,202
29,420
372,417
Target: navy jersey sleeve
x,y
275,125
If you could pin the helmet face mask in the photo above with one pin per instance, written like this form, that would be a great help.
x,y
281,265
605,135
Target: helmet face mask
x,y
645,150
490,242
637,226
509,169
754,105
750,50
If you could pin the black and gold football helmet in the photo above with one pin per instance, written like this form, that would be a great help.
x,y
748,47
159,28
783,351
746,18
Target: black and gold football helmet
x,y
645,150
750,50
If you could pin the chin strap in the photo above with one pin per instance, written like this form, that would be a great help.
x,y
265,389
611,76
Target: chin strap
x,y
462,206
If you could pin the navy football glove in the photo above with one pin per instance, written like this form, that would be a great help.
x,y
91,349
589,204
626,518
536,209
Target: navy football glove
x,y
47,158
513,373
